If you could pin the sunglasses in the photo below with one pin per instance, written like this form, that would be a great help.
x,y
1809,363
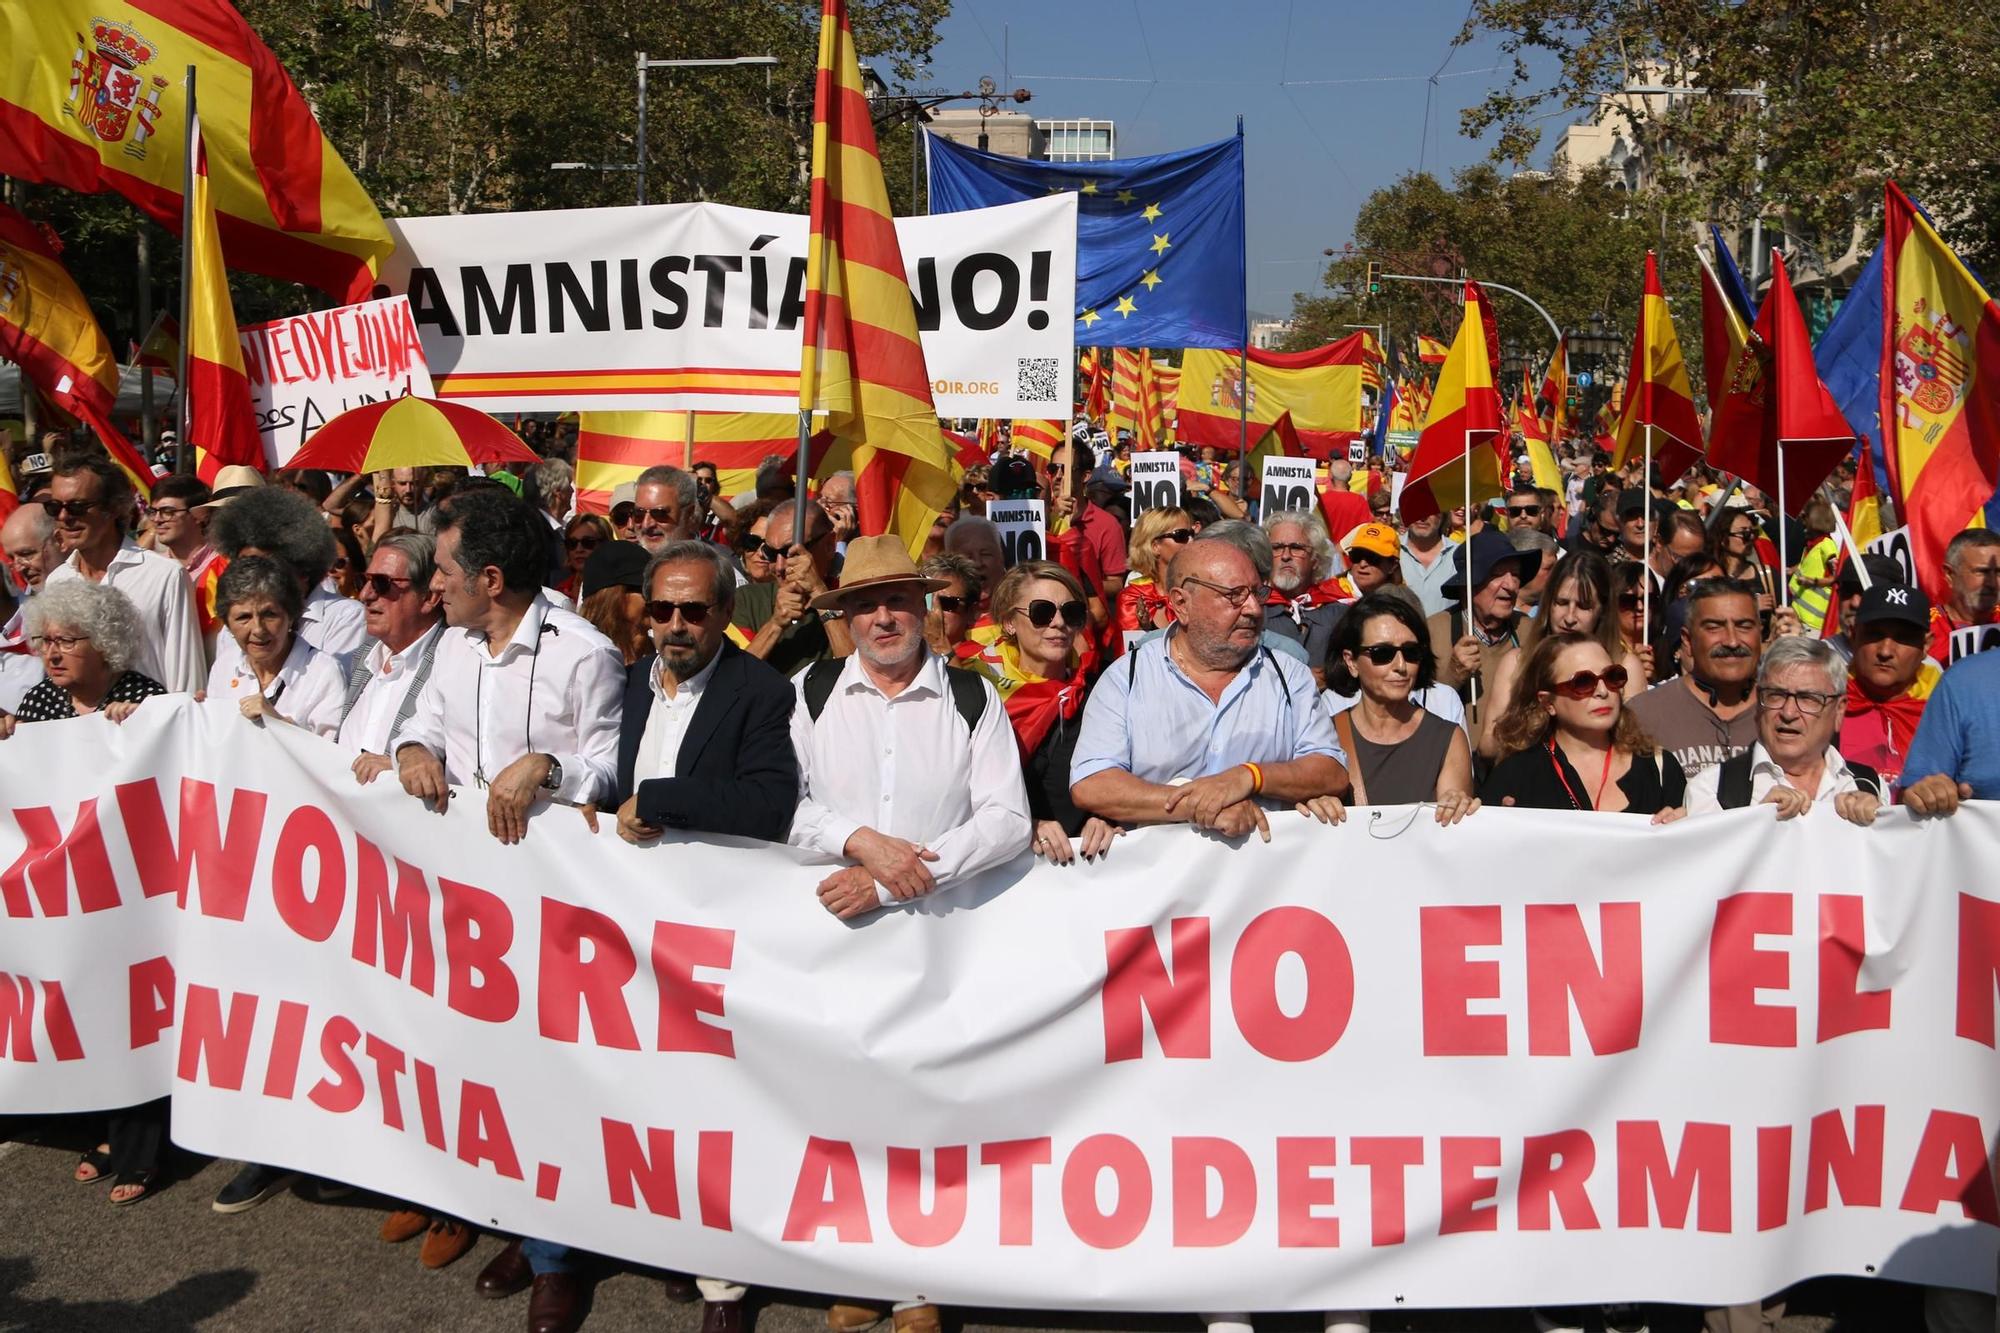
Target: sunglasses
x,y
774,554
1177,536
384,585
1584,683
691,612
1525,511
946,602
1628,601
1381,654
72,508
666,516
588,542
1041,613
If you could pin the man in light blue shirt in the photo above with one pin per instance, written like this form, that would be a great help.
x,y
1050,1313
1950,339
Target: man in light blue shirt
x,y
1427,562
1956,753
1202,724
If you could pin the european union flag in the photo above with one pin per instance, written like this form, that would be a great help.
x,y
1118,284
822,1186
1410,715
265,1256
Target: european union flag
x,y
1159,240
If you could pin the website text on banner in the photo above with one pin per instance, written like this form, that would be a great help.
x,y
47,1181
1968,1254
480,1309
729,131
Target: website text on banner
x,y
696,307
1330,1071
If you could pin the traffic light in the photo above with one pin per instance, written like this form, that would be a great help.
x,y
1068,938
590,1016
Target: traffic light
x,y
1374,278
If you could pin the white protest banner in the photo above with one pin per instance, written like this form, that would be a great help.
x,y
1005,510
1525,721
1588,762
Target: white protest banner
x,y
307,369
697,307
1287,484
1156,481
1970,639
1357,452
1895,544
1023,526
1718,1057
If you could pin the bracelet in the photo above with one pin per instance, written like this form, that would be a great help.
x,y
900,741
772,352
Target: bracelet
x,y
1256,778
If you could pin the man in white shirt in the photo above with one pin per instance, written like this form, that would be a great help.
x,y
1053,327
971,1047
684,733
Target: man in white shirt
x,y
389,674
91,502
907,769
285,524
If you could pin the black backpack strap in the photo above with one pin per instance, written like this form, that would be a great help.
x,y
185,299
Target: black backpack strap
x,y
1732,786
821,677
968,692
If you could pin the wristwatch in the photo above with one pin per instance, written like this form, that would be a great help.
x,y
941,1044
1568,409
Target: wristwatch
x,y
553,782
831,613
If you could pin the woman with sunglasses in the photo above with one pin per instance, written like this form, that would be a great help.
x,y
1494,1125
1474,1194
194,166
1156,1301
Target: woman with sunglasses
x,y
1569,743
1034,660
581,535
1735,547
1398,751
1157,536
1578,596
343,576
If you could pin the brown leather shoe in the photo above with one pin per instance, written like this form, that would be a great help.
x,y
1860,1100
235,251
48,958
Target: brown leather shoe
x,y
851,1317
556,1305
446,1242
918,1319
506,1273
722,1317
678,1287
403,1224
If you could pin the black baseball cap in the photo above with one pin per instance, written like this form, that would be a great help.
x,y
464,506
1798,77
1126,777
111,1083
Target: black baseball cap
x,y
1894,601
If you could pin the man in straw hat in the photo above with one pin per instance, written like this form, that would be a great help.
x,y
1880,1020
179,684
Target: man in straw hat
x,y
908,772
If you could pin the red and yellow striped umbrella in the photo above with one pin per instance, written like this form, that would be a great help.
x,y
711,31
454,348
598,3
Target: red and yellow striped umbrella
x,y
410,432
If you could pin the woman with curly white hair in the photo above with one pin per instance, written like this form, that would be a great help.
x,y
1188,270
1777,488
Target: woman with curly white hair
x,y
88,637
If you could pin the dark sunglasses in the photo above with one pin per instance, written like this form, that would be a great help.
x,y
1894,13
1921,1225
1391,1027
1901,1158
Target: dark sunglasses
x,y
590,541
691,612
1041,613
73,508
384,585
1584,683
946,602
1176,535
668,516
1526,511
774,554
1628,601
1381,654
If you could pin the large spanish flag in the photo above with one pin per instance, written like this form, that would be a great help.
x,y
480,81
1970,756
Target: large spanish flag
x,y
1659,401
1320,387
221,421
1940,386
10,490
1537,429
1454,463
862,363
613,448
92,99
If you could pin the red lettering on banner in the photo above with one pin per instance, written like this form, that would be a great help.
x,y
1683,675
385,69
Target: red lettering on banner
x,y
1300,1191
1644,1173
1253,989
1388,1160
829,1194
1462,1187
570,983
311,915
58,1025
150,999
632,1171
907,1217
430,1109
1451,981
394,928
1978,966
1136,984
220,865
478,931
1774,1176
388,1073
1017,1160
1610,1000
281,1075
1738,969
52,856
1554,1169
1195,1158
205,1035
17,1018
482,1131
677,951
1854,1165
343,1090
714,1168
1087,1161
1843,1006
1951,1167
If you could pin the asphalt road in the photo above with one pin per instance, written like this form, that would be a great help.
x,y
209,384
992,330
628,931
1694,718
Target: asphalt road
x,y
71,1263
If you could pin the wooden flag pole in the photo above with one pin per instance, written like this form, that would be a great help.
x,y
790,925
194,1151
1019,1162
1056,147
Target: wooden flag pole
x,y
1853,551
1646,557
687,442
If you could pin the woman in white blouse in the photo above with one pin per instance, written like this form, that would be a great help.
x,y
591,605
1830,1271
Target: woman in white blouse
x,y
263,664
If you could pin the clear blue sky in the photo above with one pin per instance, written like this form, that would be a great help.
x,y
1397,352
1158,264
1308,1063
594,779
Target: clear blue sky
x,y
1332,93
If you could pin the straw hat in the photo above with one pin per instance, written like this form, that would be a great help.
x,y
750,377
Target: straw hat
x,y
875,562
231,482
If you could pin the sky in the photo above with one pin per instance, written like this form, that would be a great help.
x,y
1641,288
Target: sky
x,y
1332,93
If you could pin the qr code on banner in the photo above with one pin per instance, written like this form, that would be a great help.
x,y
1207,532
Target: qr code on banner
x,y
1035,380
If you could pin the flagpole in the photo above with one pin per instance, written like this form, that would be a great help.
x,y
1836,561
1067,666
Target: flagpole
x,y
1473,681
687,442
184,446
1243,364
1784,560
1853,551
1646,558
148,436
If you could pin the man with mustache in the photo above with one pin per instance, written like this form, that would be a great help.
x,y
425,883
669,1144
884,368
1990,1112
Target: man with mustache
x,y
1709,713
1485,617
1306,601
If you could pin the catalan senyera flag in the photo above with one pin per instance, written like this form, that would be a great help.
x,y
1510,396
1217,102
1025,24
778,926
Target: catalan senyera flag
x,y
1431,351
1454,462
1407,412
1659,401
1940,386
1095,376
1320,387
1039,438
862,363
1166,394
1135,400
221,421
613,448
92,99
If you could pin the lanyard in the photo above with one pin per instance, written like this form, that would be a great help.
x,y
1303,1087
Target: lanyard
x,y
1603,779
479,704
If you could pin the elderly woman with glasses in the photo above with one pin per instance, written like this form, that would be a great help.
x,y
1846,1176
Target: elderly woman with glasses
x,y
1158,535
88,637
265,663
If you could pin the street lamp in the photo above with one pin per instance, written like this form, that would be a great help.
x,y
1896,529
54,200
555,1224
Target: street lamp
x,y
644,63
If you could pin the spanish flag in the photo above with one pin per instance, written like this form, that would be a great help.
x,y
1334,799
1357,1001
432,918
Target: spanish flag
x,y
92,99
1320,388
1535,432
1659,402
1430,351
862,363
10,491
221,421
613,448
1454,462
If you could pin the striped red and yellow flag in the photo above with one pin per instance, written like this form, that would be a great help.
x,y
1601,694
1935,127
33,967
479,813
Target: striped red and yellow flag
x,y
1039,438
613,448
1431,351
10,491
1454,462
862,364
1135,399
1095,377
221,421
1659,400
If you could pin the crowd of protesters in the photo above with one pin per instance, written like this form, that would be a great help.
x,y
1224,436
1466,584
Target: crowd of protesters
x,y
752,665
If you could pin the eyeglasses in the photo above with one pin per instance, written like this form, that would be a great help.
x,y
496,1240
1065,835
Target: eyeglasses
x,y
1628,601
1290,548
62,643
1742,534
1584,683
1381,654
1041,613
1250,593
1177,536
666,516
385,585
1810,703
71,508
946,602
589,541
774,554
167,511
691,612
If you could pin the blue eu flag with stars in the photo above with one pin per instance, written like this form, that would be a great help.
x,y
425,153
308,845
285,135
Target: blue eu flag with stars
x,y
1159,240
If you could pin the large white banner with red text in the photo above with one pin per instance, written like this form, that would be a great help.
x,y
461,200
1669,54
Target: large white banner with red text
x,y
1535,1058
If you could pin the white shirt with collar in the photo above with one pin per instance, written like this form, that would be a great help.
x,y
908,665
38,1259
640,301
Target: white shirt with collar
x,y
369,725
1703,788
332,623
906,767
157,586
309,688
667,723
556,688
